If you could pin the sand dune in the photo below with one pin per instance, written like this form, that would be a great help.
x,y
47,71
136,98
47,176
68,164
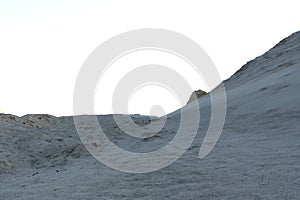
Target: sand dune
x,y
257,156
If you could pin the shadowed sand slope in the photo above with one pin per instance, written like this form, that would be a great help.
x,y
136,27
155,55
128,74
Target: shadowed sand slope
x,y
257,156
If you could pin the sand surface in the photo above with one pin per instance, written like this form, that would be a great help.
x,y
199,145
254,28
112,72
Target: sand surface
x,y
257,156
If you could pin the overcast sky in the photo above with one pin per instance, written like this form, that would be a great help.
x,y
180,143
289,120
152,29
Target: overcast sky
x,y
43,43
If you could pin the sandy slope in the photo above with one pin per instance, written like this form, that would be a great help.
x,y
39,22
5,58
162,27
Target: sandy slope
x,y
257,156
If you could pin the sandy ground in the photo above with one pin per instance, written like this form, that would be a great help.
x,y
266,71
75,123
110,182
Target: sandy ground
x,y
257,156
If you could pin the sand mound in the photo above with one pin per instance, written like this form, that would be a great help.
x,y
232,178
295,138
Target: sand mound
x,y
257,156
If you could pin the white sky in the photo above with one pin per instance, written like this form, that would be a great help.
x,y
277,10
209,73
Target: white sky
x,y
44,43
